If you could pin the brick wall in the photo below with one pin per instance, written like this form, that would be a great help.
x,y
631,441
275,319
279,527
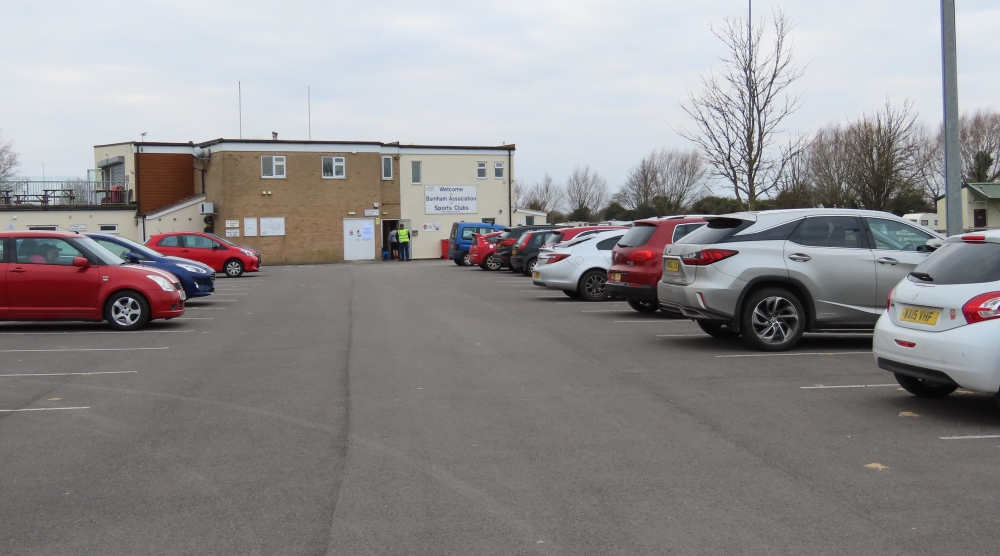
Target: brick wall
x,y
163,179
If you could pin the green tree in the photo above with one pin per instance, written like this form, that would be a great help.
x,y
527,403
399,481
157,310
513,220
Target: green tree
x,y
716,205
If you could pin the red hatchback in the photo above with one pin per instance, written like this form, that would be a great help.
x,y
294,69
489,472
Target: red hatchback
x,y
482,250
637,260
207,249
62,276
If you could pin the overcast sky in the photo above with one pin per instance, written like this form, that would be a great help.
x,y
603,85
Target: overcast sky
x,y
570,82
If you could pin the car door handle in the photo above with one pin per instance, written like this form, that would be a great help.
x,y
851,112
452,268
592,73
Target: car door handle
x,y
799,257
18,270
887,260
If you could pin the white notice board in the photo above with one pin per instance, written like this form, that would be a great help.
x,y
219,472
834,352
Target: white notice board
x,y
232,233
250,227
232,223
272,226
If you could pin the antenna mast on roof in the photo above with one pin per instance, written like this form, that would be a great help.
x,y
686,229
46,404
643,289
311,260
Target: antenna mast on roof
x,y
239,92
310,109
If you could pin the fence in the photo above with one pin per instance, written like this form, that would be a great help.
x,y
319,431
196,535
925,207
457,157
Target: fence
x,y
27,194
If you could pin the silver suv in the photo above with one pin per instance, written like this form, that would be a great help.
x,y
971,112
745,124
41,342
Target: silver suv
x,y
770,276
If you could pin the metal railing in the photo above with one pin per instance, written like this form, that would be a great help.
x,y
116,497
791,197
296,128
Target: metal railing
x,y
29,194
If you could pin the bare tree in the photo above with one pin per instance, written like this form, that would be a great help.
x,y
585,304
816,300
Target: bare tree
x,y
884,151
545,195
9,160
640,185
681,178
520,193
739,112
586,193
980,146
829,168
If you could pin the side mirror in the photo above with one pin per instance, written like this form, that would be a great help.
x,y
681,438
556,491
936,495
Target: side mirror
x,y
81,262
131,258
933,244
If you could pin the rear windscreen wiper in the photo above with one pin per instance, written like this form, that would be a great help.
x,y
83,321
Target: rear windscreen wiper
x,y
922,276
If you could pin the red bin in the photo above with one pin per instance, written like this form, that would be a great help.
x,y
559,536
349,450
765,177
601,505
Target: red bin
x,y
444,248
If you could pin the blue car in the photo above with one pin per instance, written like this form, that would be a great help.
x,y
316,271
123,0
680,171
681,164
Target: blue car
x,y
197,279
460,240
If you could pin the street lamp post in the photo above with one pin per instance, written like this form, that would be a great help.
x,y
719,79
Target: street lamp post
x,y
952,139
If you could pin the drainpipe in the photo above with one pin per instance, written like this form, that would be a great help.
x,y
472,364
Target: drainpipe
x,y
510,190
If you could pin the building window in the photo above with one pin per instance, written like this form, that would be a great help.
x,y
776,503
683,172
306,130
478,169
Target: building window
x,y
488,220
42,228
272,166
416,166
334,167
108,228
498,170
387,167
529,220
481,170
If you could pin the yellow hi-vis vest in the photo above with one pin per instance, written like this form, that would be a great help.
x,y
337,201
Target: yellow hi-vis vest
x,y
403,235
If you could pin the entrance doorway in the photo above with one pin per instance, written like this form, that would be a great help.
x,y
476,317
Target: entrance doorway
x,y
359,239
978,218
388,226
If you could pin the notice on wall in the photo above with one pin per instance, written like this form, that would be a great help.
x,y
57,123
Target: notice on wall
x,y
232,233
450,199
232,223
367,231
250,227
78,227
371,212
274,226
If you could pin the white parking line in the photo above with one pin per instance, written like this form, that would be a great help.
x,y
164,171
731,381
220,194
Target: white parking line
x,y
70,374
794,354
847,386
41,409
970,437
78,349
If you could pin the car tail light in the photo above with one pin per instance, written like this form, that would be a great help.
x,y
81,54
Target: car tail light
x,y
906,344
973,239
706,257
982,307
888,301
508,242
641,255
555,257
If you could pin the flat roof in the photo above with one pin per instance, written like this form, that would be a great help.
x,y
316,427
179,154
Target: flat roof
x,y
221,140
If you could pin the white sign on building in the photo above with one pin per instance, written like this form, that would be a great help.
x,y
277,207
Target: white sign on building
x,y
272,226
250,227
450,199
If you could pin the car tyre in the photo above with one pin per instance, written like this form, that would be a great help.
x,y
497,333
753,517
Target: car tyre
x,y
492,263
233,268
530,267
717,330
466,259
592,284
924,388
647,307
127,310
772,319
571,293
459,262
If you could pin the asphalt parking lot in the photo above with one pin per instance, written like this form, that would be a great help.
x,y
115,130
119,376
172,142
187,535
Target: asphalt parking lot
x,y
425,408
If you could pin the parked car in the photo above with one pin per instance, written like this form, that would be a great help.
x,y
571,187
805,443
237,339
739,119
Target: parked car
x,y
565,234
770,276
940,328
460,239
197,279
524,254
65,276
510,236
224,241
637,260
578,267
484,247
207,249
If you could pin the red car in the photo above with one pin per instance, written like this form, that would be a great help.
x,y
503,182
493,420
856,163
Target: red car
x,y
637,260
566,234
482,250
62,276
207,249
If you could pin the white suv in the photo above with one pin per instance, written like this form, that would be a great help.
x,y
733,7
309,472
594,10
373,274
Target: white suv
x,y
770,276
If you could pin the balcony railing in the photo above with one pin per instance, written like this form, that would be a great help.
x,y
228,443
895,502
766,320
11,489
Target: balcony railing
x,y
31,194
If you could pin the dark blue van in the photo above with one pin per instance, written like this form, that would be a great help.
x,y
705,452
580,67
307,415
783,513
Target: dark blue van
x,y
460,239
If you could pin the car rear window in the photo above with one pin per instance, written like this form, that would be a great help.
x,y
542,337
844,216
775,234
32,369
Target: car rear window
x,y
960,263
716,231
555,238
682,230
169,241
454,231
638,235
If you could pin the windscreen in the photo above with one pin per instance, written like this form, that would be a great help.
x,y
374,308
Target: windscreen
x,y
222,240
105,256
717,230
139,248
638,235
960,263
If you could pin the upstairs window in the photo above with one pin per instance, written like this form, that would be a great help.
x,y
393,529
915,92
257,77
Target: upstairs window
x,y
498,170
416,167
334,167
387,167
272,166
481,170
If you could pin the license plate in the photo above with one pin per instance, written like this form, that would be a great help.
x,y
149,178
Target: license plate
x,y
184,295
673,265
919,316
513,251
536,275
615,277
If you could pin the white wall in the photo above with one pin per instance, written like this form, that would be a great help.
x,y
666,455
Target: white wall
x,y
184,219
63,219
450,169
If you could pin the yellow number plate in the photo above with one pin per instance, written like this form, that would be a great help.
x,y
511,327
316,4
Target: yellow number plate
x,y
616,277
673,265
536,275
919,316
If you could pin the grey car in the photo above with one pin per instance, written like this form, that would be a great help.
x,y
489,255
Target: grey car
x,y
772,275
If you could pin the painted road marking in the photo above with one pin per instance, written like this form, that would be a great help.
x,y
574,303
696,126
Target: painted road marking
x,y
795,354
822,387
41,409
78,349
970,437
69,374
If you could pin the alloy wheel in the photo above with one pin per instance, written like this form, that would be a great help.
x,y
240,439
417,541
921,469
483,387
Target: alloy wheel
x,y
126,311
774,320
595,285
233,269
493,263
466,260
